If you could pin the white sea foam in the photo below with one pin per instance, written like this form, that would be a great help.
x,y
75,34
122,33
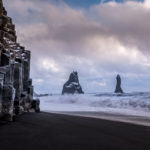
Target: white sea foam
x,y
137,103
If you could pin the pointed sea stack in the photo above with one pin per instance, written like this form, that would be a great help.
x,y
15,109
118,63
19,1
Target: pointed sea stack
x,y
72,86
16,89
118,85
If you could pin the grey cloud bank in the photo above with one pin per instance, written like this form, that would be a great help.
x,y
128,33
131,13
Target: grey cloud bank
x,y
99,42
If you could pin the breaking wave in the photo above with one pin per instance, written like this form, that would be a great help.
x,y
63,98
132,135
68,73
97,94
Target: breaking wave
x,y
135,103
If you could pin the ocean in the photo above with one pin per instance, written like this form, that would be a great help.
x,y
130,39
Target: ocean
x,y
135,103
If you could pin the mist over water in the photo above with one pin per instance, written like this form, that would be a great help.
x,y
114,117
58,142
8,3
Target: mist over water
x,y
136,103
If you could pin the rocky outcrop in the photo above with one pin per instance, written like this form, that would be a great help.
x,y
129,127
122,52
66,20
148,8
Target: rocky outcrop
x,y
16,90
72,86
118,85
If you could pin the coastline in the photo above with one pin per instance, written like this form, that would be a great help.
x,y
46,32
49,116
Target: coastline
x,y
125,118
60,131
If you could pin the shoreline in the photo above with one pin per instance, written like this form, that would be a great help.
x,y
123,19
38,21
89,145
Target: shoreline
x,y
124,118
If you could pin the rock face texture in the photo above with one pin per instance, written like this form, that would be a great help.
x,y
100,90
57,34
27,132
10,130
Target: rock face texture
x,y
72,86
16,90
118,85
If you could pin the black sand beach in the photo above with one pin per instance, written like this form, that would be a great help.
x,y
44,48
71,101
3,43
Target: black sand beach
x,y
49,131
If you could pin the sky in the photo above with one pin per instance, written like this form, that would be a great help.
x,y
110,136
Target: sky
x,y
97,38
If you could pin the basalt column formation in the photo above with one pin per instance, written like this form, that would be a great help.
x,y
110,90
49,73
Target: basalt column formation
x,y
16,90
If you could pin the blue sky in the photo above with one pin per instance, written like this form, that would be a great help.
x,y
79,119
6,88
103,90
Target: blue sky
x,y
89,3
99,40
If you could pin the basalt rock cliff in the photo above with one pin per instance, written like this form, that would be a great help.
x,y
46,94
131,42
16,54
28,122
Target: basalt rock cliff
x,y
16,90
72,86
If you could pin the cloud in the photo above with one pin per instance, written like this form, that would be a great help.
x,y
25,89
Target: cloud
x,y
147,4
128,22
99,42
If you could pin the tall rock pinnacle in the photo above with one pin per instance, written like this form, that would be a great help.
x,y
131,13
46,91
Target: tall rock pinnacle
x,y
72,86
118,85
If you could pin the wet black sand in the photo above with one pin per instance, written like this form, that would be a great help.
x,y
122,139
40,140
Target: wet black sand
x,y
49,131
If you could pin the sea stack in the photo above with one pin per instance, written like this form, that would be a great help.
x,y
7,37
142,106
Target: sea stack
x,y
16,89
118,85
72,86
